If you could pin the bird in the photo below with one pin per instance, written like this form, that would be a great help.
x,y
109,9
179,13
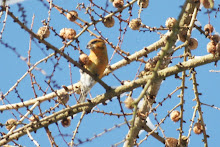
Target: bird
x,y
96,63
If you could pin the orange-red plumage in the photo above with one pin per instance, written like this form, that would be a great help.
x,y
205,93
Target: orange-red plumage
x,y
96,63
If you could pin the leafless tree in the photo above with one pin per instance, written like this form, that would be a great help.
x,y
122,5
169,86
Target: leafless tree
x,y
47,100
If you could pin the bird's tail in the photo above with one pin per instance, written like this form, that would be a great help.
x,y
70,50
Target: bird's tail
x,y
84,92
83,96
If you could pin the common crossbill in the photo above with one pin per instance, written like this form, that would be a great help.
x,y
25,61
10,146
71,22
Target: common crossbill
x,y
96,63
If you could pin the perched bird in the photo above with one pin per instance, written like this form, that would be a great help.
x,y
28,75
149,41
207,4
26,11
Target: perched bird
x,y
96,63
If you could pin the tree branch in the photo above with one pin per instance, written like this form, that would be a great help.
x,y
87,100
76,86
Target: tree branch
x,y
87,106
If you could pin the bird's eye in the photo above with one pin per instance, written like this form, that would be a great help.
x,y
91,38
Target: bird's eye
x,y
94,42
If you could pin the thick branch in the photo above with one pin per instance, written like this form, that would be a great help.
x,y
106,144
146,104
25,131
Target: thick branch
x,y
160,43
162,74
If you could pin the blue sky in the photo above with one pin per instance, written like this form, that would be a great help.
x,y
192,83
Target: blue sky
x,y
12,68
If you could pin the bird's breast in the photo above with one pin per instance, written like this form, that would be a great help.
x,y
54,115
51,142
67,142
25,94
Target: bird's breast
x,y
99,61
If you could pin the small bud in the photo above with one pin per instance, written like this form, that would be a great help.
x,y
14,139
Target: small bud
x,y
151,63
171,142
144,3
185,141
149,66
215,38
72,15
128,102
67,33
218,48
10,123
84,59
62,32
208,28
211,47
118,3
135,24
66,122
108,22
125,82
193,43
182,35
175,116
198,128
170,22
206,3
77,89
63,98
34,118
43,32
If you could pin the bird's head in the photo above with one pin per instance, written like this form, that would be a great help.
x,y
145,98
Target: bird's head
x,y
96,44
